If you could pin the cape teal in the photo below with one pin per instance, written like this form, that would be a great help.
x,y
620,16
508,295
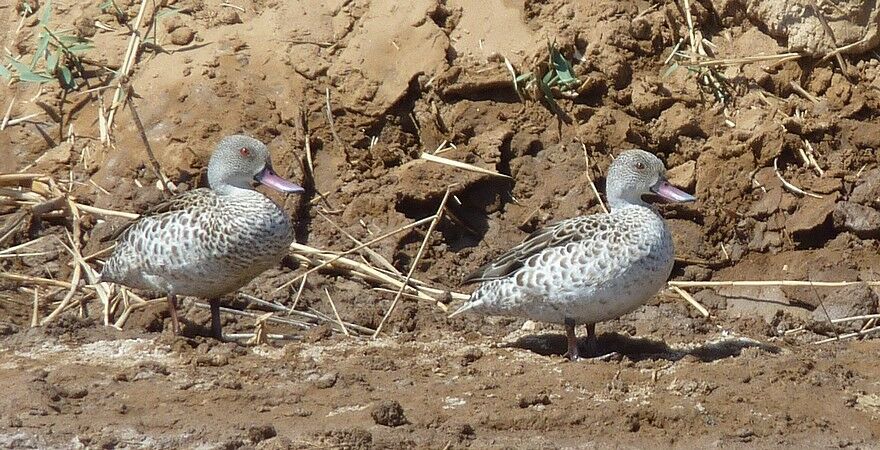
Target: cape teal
x,y
208,242
590,268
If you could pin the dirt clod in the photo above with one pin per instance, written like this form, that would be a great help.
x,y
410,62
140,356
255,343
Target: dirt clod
x,y
260,433
327,381
388,413
861,220
533,400
182,36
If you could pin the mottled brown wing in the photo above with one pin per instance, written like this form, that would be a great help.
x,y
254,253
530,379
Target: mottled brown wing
x,y
557,234
188,199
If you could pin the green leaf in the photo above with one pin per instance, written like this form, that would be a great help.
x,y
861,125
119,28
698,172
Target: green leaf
x,y
52,62
524,77
67,78
669,70
548,77
32,77
47,13
548,97
42,45
68,39
80,48
19,66
561,66
4,72
74,44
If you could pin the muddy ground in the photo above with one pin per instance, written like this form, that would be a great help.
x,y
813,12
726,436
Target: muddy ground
x,y
402,79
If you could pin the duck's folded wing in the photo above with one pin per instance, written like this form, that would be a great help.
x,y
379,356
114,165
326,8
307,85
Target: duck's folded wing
x,y
554,235
189,199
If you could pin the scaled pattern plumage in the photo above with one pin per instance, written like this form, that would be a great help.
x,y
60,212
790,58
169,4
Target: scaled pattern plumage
x,y
208,242
203,245
590,268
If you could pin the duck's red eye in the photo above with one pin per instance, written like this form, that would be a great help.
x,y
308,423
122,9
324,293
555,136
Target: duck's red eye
x,y
244,151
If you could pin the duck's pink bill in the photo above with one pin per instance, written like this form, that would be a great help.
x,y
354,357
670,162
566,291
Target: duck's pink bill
x,y
271,179
672,193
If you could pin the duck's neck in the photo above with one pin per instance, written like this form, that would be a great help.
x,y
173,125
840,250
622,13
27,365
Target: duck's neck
x,y
617,203
232,190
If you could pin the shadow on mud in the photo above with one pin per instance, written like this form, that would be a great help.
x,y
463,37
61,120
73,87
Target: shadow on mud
x,y
638,349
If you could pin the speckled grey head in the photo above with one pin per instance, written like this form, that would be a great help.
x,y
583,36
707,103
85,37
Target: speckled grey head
x,y
635,173
240,161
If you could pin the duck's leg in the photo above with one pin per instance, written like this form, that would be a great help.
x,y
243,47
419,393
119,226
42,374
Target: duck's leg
x,y
216,328
572,353
592,342
172,309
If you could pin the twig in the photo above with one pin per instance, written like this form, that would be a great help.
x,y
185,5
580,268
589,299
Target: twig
x,y
308,146
513,76
690,24
800,90
11,229
281,308
854,318
590,179
329,112
8,112
91,276
844,68
15,179
270,336
261,333
35,320
702,309
230,5
415,261
106,212
134,42
336,313
790,186
77,269
840,50
371,274
779,58
811,158
130,308
19,120
384,262
302,285
74,287
35,280
157,169
338,257
237,312
451,162
848,335
23,245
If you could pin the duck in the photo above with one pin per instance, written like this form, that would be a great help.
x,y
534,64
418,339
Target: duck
x,y
208,242
591,268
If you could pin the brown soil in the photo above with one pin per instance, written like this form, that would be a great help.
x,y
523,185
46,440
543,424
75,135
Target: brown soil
x,y
402,78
